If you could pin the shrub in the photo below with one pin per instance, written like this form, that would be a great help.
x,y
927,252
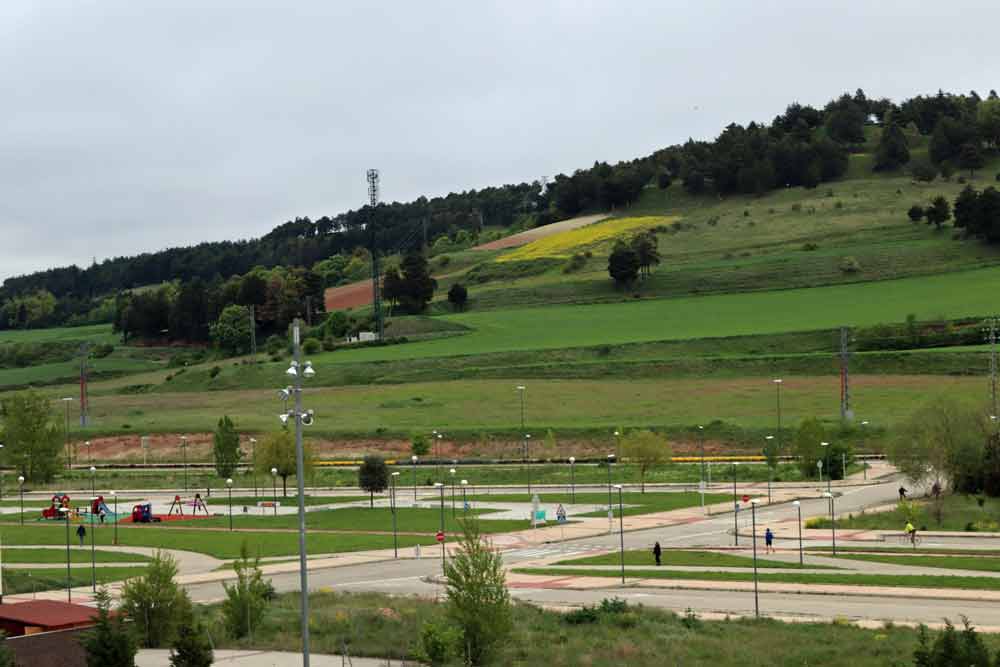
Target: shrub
x,y
575,263
809,247
214,372
311,346
437,643
916,213
838,204
923,172
796,207
156,603
849,265
246,600
103,350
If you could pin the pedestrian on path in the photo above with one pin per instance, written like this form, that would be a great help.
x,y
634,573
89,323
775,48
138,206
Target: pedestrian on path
x,y
768,541
902,493
657,552
81,532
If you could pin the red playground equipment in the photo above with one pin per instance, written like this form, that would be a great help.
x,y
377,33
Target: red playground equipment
x,y
195,505
143,513
53,512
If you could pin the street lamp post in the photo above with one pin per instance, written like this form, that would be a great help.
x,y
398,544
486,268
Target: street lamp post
x,y
20,485
184,452
440,487
274,490
229,486
618,440
392,504
798,507
90,452
302,418
93,554
413,459
69,460
611,525
437,451
777,386
527,463
465,500
701,447
736,509
253,464
864,440
93,481
621,532
753,515
451,472
826,464
69,576
833,523
769,455
572,478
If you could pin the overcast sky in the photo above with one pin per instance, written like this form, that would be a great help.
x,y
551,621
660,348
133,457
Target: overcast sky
x,y
130,126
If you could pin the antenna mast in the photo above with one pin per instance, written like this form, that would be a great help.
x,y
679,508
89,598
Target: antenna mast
x,y
373,248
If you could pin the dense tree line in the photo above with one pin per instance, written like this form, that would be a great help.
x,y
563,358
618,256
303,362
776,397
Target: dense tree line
x,y
804,146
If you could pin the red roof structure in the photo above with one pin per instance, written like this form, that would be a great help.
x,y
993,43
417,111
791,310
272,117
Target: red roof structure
x,y
25,618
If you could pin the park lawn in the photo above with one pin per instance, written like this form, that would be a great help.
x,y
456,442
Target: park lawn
x,y
937,551
220,501
221,544
894,580
378,519
682,558
65,371
11,556
639,637
636,503
19,581
980,563
958,513
93,333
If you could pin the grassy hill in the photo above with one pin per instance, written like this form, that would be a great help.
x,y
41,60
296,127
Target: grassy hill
x,y
749,288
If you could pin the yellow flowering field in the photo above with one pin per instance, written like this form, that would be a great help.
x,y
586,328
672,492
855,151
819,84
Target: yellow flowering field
x,y
564,244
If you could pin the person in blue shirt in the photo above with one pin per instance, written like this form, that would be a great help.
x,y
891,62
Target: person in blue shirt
x,y
768,541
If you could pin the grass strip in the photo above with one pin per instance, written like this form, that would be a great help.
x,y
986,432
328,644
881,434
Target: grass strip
x,y
683,558
15,556
858,580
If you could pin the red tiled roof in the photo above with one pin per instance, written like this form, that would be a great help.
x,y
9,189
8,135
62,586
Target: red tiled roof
x,y
47,613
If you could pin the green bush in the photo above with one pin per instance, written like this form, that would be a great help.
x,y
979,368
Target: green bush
x,y
103,350
246,600
311,346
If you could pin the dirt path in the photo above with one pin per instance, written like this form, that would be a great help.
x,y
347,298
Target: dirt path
x,y
360,293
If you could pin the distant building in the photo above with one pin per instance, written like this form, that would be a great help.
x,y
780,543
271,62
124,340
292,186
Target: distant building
x,y
363,337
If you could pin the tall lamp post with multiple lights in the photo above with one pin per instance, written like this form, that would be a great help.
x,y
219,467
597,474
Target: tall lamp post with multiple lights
x,y
297,371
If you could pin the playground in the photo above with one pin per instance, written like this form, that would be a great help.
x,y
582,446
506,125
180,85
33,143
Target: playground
x,y
97,511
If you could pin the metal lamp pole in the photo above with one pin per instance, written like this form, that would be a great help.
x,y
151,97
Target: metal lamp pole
x,y
69,576
440,487
798,506
93,554
93,482
833,523
753,514
114,495
611,459
701,446
826,464
253,463
465,501
736,510
90,452
20,484
777,386
527,463
768,454
413,459
229,486
451,472
392,505
621,531
864,439
274,490
184,451
572,478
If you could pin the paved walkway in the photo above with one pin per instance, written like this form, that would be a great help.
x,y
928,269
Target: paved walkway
x,y
161,658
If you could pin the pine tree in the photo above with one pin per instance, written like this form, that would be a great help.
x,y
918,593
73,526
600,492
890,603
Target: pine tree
x,y
192,647
109,644
892,152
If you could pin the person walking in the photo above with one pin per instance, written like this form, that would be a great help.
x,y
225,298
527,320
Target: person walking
x,y
902,493
768,541
81,532
657,552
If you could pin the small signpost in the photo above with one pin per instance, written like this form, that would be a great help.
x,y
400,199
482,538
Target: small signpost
x,y
439,536
746,498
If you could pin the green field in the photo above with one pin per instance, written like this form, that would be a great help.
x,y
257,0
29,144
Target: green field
x,y
958,513
853,579
95,333
635,503
637,636
19,581
77,555
218,543
681,558
979,563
